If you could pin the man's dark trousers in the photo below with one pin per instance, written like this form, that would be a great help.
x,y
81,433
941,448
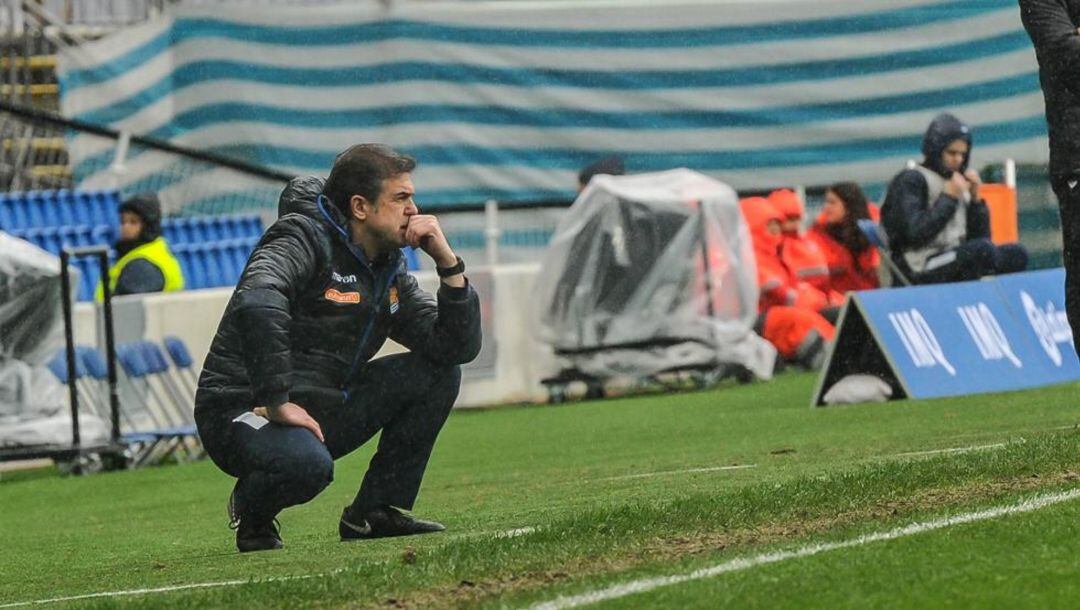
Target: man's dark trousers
x,y
1069,207
404,395
977,258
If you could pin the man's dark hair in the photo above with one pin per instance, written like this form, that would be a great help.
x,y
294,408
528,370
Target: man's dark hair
x,y
360,170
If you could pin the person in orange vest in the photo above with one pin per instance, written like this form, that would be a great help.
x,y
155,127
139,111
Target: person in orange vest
x,y
853,262
799,254
789,315
780,283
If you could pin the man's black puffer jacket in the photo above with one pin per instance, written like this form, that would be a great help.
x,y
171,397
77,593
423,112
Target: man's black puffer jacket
x,y
309,309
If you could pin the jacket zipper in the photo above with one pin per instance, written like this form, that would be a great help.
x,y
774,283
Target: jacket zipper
x,y
367,332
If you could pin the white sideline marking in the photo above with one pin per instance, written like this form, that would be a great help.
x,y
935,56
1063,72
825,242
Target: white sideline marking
x,y
667,472
514,533
520,531
735,565
951,450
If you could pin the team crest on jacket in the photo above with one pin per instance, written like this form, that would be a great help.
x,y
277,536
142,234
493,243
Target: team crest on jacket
x,y
347,298
393,299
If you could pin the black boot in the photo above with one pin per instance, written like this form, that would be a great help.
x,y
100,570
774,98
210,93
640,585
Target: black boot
x,y
253,536
383,522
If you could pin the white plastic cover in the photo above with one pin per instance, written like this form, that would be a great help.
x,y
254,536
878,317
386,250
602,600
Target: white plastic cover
x,y
31,327
627,287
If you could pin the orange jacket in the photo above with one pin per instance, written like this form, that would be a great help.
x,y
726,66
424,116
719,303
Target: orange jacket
x,y
788,329
844,274
800,255
778,284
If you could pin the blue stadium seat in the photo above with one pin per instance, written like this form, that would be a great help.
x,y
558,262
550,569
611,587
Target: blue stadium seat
x,y
253,226
64,202
81,212
74,236
214,263
185,232
86,208
102,235
193,266
179,353
20,212
412,261
213,228
7,214
132,361
46,238
58,366
168,231
35,209
93,362
153,356
50,209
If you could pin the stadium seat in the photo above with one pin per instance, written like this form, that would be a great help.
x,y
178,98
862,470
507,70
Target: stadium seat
x,y
20,217
64,202
7,216
35,209
183,361
877,238
58,366
102,235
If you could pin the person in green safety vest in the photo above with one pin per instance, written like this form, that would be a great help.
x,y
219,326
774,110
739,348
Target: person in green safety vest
x,y
144,263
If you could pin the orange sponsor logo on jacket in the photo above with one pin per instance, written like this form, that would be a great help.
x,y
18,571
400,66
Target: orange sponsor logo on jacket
x,y
342,297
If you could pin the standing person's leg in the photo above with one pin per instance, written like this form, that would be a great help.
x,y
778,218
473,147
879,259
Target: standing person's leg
x,y
407,397
276,467
1069,208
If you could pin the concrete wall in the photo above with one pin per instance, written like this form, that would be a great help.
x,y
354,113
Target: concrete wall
x,y
507,371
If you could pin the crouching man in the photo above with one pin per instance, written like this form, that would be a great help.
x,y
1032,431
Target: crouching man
x,y
289,385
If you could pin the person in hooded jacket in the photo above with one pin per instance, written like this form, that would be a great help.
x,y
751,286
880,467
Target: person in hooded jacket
x,y
801,255
853,262
144,261
788,310
1053,26
779,283
289,385
938,227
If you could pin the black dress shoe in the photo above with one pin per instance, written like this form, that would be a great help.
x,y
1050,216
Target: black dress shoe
x,y
383,522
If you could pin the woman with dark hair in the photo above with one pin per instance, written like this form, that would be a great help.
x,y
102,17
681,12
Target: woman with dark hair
x,y
853,262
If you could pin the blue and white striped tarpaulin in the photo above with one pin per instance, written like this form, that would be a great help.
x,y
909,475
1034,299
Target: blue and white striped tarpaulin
x,y
508,100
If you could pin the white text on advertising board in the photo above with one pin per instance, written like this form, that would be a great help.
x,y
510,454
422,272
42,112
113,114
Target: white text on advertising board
x,y
919,340
987,334
1050,325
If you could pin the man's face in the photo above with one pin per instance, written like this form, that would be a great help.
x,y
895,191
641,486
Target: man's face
x,y
389,218
952,158
131,226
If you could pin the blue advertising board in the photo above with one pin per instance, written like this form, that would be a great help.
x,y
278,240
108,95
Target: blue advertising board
x,y
992,335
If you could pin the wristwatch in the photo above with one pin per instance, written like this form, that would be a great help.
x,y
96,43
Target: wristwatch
x,y
448,271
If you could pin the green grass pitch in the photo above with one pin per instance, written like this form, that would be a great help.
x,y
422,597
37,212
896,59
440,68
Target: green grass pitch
x,y
544,503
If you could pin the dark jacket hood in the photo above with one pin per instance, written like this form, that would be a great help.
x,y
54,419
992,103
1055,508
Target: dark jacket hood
x,y
943,130
301,196
146,206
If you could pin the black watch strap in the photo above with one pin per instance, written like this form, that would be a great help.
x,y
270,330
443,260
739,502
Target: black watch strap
x,y
448,271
